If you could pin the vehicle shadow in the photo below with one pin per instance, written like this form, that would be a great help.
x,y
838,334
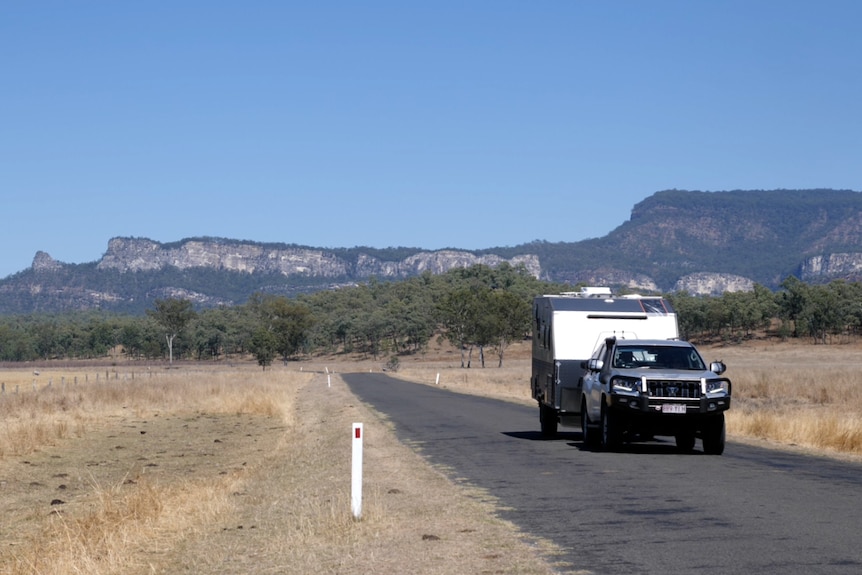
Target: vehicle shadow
x,y
653,446
537,435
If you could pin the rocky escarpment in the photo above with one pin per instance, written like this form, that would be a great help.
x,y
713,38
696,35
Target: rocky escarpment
x,y
607,276
832,266
713,284
43,262
136,255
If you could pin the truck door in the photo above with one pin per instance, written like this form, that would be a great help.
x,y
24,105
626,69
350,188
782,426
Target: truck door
x,y
593,385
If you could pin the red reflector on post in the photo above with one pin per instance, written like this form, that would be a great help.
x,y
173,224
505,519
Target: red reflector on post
x,y
358,431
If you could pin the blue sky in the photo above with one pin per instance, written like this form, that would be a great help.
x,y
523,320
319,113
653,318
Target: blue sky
x,y
440,124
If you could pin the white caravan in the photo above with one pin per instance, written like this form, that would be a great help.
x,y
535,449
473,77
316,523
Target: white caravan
x,y
569,327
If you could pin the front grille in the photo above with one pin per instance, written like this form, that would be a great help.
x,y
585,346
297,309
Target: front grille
x,y
674,388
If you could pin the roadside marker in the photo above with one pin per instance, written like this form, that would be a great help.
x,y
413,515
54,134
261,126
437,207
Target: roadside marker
x,y
356,475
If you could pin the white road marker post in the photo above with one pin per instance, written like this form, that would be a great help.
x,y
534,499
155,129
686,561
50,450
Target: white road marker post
x,y
437,382
356,475
328,381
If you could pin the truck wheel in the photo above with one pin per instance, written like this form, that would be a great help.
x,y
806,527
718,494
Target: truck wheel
x,y
589,435
548,421
685,439
610,431
713,435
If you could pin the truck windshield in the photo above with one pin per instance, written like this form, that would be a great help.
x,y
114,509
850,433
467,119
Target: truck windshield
x,y
658,357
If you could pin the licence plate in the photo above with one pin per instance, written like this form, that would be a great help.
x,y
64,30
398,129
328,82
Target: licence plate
x,y
673,408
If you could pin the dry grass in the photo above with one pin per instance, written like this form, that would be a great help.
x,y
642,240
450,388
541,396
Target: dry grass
x,y
41,410
797,395
229,471
115,509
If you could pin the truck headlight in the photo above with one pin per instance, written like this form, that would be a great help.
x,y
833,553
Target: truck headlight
x,y
627,384
718,386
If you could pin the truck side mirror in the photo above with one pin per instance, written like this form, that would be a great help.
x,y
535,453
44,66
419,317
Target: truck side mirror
x,y
717,367
596,364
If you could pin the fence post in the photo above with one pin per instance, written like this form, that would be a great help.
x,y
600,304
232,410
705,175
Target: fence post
x,y
356,475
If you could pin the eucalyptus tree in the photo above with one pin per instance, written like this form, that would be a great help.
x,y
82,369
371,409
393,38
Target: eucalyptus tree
x,y
102,334
791,302
16,343
133,339
241,324
690,313
746,312
822,313
209,333
458,316
263,346
510,316
337,316
172,315
289,322
408,314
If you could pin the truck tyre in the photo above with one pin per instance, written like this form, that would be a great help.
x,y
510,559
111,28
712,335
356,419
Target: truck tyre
x,y
548,421
713,435
685,439
589,434
610,430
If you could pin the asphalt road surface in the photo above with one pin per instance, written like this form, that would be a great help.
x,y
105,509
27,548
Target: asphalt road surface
x,y
647,509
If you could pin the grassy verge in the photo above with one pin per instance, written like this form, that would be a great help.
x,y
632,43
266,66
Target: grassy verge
x,y
230,471
805,396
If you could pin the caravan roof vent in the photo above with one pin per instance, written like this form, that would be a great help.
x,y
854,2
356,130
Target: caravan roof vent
x,y
595,292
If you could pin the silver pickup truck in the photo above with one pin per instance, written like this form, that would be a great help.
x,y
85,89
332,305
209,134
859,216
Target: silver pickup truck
x,y
643,388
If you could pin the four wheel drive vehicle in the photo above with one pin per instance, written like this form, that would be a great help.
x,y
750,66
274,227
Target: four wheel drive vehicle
x,y
642,388
567,330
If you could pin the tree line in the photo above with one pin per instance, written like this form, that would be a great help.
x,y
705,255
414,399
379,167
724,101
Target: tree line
x,y
480,310
823,313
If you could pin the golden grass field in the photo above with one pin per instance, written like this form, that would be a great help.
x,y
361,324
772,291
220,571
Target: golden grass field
x,y
228,469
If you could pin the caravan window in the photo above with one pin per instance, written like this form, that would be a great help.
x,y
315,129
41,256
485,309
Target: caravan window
x,y
654,306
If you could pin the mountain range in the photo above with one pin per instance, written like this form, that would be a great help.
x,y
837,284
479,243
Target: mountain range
x,y
674,240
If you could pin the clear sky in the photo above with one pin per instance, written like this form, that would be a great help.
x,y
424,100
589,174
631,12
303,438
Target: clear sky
x,y
438,124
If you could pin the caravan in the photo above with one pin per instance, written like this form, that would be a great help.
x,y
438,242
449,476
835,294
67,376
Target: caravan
x,y
569,327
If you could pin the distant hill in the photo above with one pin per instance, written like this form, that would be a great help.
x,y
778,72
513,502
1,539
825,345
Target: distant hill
x,y
763,236
701,242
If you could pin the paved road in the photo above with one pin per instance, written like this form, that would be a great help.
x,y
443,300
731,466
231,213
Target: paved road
x,y
646,510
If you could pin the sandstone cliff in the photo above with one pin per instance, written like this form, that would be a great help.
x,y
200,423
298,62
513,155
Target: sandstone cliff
x,y
713,284
831,266
136,255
